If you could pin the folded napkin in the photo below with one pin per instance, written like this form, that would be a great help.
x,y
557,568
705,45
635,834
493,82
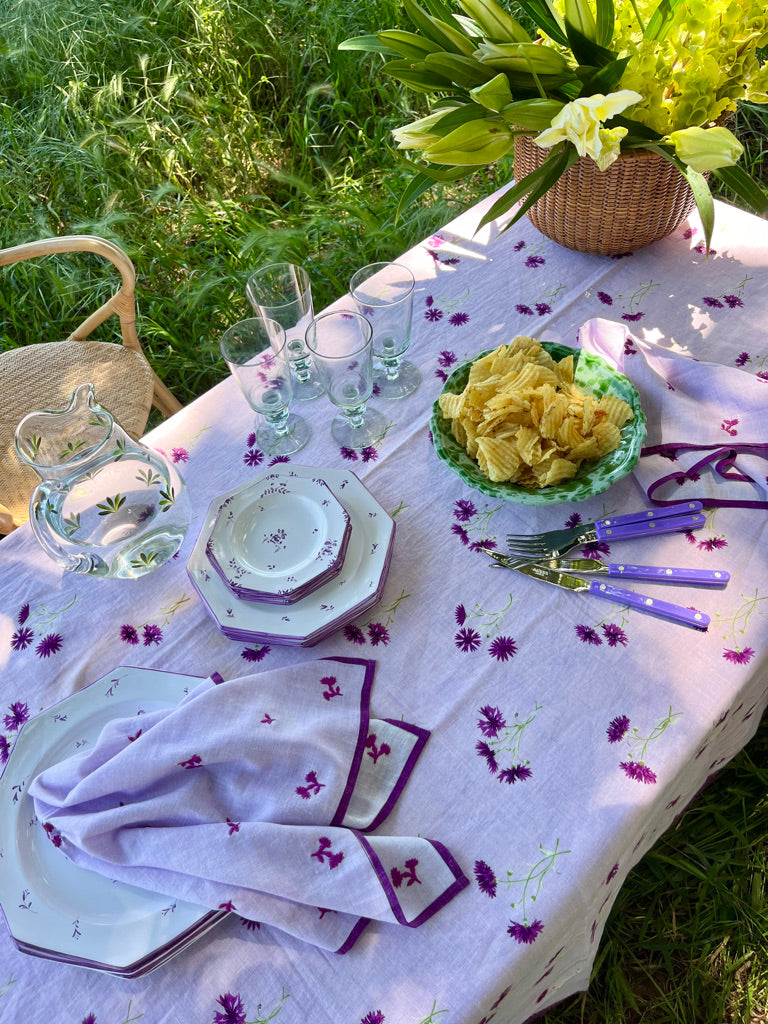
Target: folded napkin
x,y
707,424
253,795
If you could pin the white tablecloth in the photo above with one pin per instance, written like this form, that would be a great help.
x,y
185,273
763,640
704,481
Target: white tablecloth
x,y
566,733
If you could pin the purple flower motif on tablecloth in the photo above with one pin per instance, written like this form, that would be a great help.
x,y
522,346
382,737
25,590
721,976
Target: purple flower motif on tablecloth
x,y
518,246
152,634
482,545
378,634
525,933
712,302
312,788
433,314
742,359
488,755
279,460
467,640
22,638
326,855
253,457
632,317
524,310
738,657
638,772
255,653
129,634
460,614
354,634
614,635
711,544
251,440
23,615
369,453
543,308
374,1017
446,359
19,714
535,261
485,878
587,635
612,874
349,454
617,728
232,1009
331,687
516,773
464,510
50,644
733,301
376,750
595,549
458,319
503,648
179,455
762,375
460,532
195,761
90,1019
492,721
5,749
605,298
232,827
729,426
53,834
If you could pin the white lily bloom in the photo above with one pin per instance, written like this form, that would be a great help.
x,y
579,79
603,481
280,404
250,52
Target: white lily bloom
x,y
580,123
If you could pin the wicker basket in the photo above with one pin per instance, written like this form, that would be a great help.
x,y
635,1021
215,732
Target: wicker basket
x,y
639,199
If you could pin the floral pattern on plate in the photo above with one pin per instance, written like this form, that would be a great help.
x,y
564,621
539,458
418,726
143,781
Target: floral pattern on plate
x,y
280,539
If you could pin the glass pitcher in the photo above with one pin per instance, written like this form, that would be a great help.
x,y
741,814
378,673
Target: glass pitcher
x,y
106,505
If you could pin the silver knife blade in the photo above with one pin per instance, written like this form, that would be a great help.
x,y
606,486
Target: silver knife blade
x,y
600,588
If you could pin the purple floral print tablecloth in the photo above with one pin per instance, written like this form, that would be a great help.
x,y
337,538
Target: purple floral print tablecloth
x,y
565,734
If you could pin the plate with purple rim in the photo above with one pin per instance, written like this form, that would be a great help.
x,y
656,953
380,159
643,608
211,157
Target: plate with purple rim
x,y
357,588
279,539
54,909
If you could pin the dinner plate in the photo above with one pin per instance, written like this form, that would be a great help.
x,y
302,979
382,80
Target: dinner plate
x,y
281,540
592,374
356,589
53,908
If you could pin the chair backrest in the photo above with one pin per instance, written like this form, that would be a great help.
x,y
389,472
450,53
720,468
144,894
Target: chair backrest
x,y
44,375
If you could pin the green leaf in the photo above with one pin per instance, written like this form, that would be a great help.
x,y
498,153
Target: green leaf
x,y
447,37
416,75
406,44
738,181
605,20
661,19
700,188
533,186
463,71
496,25
546,18
369,44
585,50
606,78
424,180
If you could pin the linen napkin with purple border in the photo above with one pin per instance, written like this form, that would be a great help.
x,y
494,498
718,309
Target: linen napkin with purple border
x,y
707,423
257,795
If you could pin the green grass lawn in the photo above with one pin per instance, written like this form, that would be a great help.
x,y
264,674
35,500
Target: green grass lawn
x,y
206,138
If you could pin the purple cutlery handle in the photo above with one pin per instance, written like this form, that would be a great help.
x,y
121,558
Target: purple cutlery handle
x,y
649,605
681,509
668,574
647,529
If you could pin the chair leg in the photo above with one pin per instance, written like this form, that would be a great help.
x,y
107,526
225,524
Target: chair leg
x,y
164,400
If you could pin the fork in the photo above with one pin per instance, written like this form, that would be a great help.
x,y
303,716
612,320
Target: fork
x,y
554,543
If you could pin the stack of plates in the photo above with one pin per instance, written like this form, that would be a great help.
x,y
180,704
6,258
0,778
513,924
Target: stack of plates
x,y
55,909
292,556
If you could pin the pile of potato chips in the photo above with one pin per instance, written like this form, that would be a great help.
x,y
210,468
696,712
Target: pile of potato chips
x,y
525,421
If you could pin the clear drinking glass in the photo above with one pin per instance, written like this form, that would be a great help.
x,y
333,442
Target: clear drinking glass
x,y
283,292
256,352
340,343
383,293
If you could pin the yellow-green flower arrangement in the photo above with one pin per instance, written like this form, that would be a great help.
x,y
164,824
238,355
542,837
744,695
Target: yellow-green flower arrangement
x,y
600,77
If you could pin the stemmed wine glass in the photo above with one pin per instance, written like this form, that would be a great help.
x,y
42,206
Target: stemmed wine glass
x,y
383,293
256,352
283,292
340,343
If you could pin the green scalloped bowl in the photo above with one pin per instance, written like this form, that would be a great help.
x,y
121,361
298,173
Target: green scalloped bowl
x,y
593,374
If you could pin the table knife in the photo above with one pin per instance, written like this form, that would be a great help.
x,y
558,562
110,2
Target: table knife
x,y
599,588
651,573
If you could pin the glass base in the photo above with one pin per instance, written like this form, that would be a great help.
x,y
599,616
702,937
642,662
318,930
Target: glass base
x,y
405,383
371,429
305,391
293,440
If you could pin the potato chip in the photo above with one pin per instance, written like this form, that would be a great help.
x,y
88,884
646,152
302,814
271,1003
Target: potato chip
x,y
525,421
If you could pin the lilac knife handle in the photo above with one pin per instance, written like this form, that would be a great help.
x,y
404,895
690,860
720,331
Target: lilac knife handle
x,y
681,509
649,605
666,574
672,524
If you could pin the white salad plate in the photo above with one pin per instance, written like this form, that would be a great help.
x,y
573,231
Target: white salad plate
x,y
356,589
279,541
53,908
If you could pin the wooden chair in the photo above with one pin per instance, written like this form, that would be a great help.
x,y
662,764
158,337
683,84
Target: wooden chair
x,y
44,375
